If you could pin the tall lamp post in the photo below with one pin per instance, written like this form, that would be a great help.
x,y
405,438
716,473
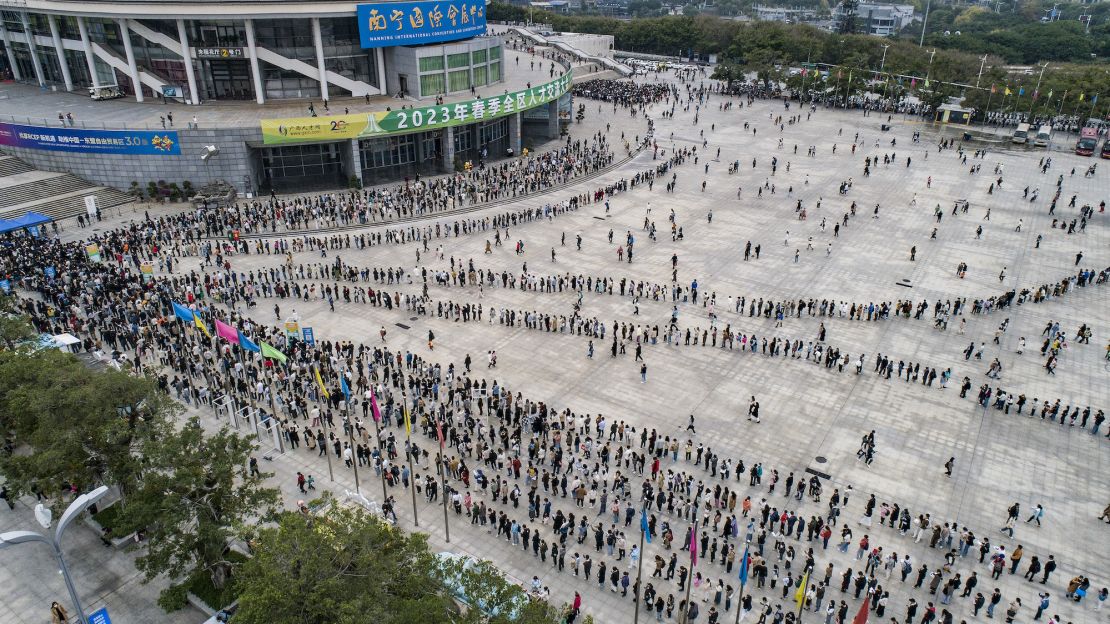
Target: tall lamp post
x,y
80,504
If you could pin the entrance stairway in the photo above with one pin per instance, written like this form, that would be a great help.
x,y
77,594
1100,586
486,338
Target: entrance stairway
x,y
59,196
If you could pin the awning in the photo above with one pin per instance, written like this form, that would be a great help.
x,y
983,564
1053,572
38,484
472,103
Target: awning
x,y
28,220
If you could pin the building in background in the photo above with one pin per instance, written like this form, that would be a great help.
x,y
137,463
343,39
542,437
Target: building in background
x,y
434,79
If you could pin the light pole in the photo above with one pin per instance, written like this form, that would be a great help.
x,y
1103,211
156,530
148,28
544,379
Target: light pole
x,y
80,504
924,23
982,65
882,63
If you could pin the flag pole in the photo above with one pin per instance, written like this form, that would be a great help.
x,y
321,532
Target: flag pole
x,y
693,549
350,426
408,445
802,589
743,582
443,478
637,595
381,455
327,451
441,461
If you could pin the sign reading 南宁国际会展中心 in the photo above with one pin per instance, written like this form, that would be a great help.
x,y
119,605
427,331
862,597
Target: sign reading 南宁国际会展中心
x,y
384,24
368,125
136,142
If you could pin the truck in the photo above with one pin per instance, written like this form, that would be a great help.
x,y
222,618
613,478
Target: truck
x,y
1021,135
1044,136
1088,141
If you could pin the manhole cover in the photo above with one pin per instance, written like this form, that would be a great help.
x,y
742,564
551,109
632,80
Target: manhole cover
x,y
821,459
402,325
412,318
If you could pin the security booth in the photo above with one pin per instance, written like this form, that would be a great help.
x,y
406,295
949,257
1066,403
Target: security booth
x,y
947,113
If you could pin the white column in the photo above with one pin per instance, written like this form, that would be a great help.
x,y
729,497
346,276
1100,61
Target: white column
x,y
252,50
187,56
380,54
32,49
11,53
132,68
317,40
87,46
60,51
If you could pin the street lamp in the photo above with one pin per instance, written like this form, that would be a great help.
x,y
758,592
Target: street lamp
x,y
79,505
924,23
982,64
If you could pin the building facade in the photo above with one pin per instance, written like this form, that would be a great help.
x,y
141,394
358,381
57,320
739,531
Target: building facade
x,y
434,55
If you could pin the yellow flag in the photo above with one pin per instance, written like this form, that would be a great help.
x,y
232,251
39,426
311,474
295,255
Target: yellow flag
x,y
1008,92
200,324
320,382
408,422
1081,96
800,595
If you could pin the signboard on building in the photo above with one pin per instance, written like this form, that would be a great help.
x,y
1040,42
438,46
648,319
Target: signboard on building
x,y
368,125
219,53
384,24
134,142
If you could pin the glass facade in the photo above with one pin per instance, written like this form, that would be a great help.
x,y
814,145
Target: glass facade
x,y
389,158
303,166
432,84
227,76
465,70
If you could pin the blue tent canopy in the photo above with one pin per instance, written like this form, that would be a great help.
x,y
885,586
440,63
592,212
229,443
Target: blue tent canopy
x,y
28,220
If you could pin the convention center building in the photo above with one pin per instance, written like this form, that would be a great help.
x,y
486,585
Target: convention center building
x,y
267,94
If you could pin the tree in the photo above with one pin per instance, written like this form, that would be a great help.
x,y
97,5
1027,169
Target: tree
x,y
15,327
70,424
342,567
194,498
846,23
495,600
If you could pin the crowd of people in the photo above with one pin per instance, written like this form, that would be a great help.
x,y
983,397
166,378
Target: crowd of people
x,y
576,490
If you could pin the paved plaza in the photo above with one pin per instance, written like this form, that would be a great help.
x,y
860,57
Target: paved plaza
x,y
812,417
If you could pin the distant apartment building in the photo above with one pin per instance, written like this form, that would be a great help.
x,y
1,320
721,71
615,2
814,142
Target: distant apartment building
x,y
883,20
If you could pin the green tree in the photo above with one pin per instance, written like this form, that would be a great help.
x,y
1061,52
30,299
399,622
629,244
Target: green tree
x,y
15,327
846,23
195,497
72,424
342,567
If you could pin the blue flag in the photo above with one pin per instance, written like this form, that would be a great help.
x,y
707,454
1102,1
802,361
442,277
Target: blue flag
x,y
744,568
644,525
344,387
182,312
248,344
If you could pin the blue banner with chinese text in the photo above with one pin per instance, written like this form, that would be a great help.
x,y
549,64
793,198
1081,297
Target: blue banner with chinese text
x,y
385,24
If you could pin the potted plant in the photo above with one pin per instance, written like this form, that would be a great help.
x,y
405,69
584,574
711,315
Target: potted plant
x,y
187,189
175,192
152,190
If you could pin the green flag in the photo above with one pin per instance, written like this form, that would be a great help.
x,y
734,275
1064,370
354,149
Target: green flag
x,y
272,353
